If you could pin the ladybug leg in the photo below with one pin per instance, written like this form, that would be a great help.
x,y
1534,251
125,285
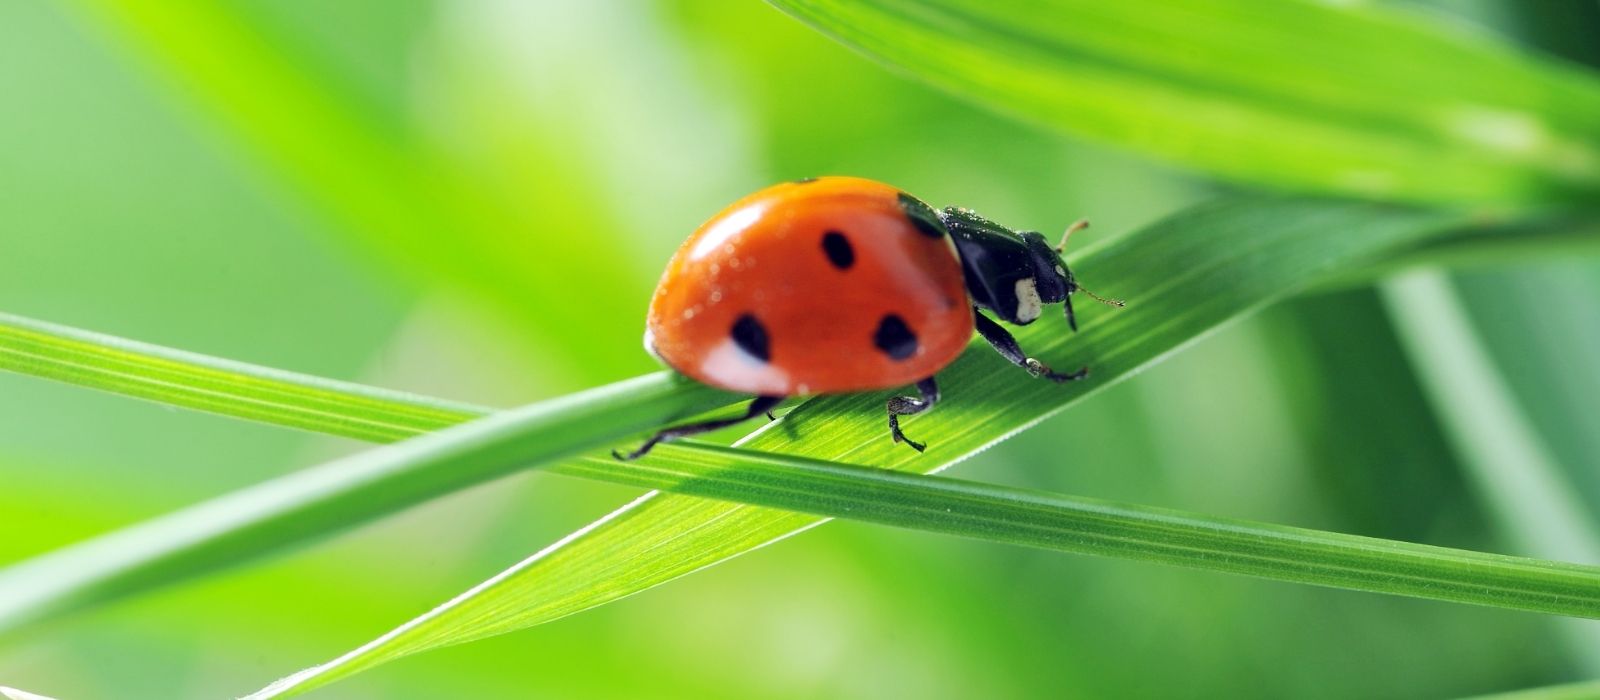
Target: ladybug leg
x,y
908,406
760,405
1007,347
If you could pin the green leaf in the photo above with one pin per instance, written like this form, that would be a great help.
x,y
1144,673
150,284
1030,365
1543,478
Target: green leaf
x,y
1092,526
1349,98
991,513
1502,450
278,397
230,388
338,408
1183,278
1268,248
1537,508
1561,237
317,502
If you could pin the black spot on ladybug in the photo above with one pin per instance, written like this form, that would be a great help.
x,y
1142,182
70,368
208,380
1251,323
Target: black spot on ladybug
x,y
922,216
838,249
805,181
895,338
751,337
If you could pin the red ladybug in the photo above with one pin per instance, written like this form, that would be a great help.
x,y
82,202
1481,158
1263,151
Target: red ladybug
x,y
840,284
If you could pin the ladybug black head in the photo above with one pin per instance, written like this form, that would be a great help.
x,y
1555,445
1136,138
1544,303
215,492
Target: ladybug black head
x,y
1010,273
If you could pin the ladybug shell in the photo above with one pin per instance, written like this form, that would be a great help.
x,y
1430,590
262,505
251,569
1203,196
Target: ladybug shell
x,y
827,285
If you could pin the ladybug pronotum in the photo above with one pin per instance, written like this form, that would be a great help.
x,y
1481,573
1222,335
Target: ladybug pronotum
x,y
841,284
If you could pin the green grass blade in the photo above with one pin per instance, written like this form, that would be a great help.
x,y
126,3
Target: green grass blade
x,y
273,396
1022,517
1092,526
1500,447
1184,277
320,501
1348,98
277,397
799,485
1502,452
1560,238
236,389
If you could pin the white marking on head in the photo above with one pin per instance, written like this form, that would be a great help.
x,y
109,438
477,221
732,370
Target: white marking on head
x,y
1061,271
1029,305
729,366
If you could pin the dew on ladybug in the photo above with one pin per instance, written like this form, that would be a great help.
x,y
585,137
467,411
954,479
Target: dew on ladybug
x,y
842,284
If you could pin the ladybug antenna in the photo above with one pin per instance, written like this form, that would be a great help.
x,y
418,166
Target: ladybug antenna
x,y
1072,319
1108,302
1076,226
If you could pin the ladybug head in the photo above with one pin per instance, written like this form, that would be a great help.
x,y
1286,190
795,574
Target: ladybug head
x,y
1012,273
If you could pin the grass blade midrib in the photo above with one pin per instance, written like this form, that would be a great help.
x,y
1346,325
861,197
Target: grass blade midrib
x,y
704,460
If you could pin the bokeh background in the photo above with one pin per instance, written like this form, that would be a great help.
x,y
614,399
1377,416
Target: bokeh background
x,y
492,189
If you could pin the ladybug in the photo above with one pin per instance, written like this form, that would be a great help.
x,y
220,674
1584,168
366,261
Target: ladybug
x,y
842,284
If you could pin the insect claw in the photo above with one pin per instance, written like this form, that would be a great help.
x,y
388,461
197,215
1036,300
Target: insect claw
x,y
1040,369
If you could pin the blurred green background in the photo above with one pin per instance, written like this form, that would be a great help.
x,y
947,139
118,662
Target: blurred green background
x,y
472,199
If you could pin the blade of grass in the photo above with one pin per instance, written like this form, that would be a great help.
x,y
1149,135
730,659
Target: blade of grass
x,y
1205,247
273,396
1092,526
1511,464
278,397
1022,517
1082,525
1561,238
320,501
1184,277
1356,98
237,389
1516,477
